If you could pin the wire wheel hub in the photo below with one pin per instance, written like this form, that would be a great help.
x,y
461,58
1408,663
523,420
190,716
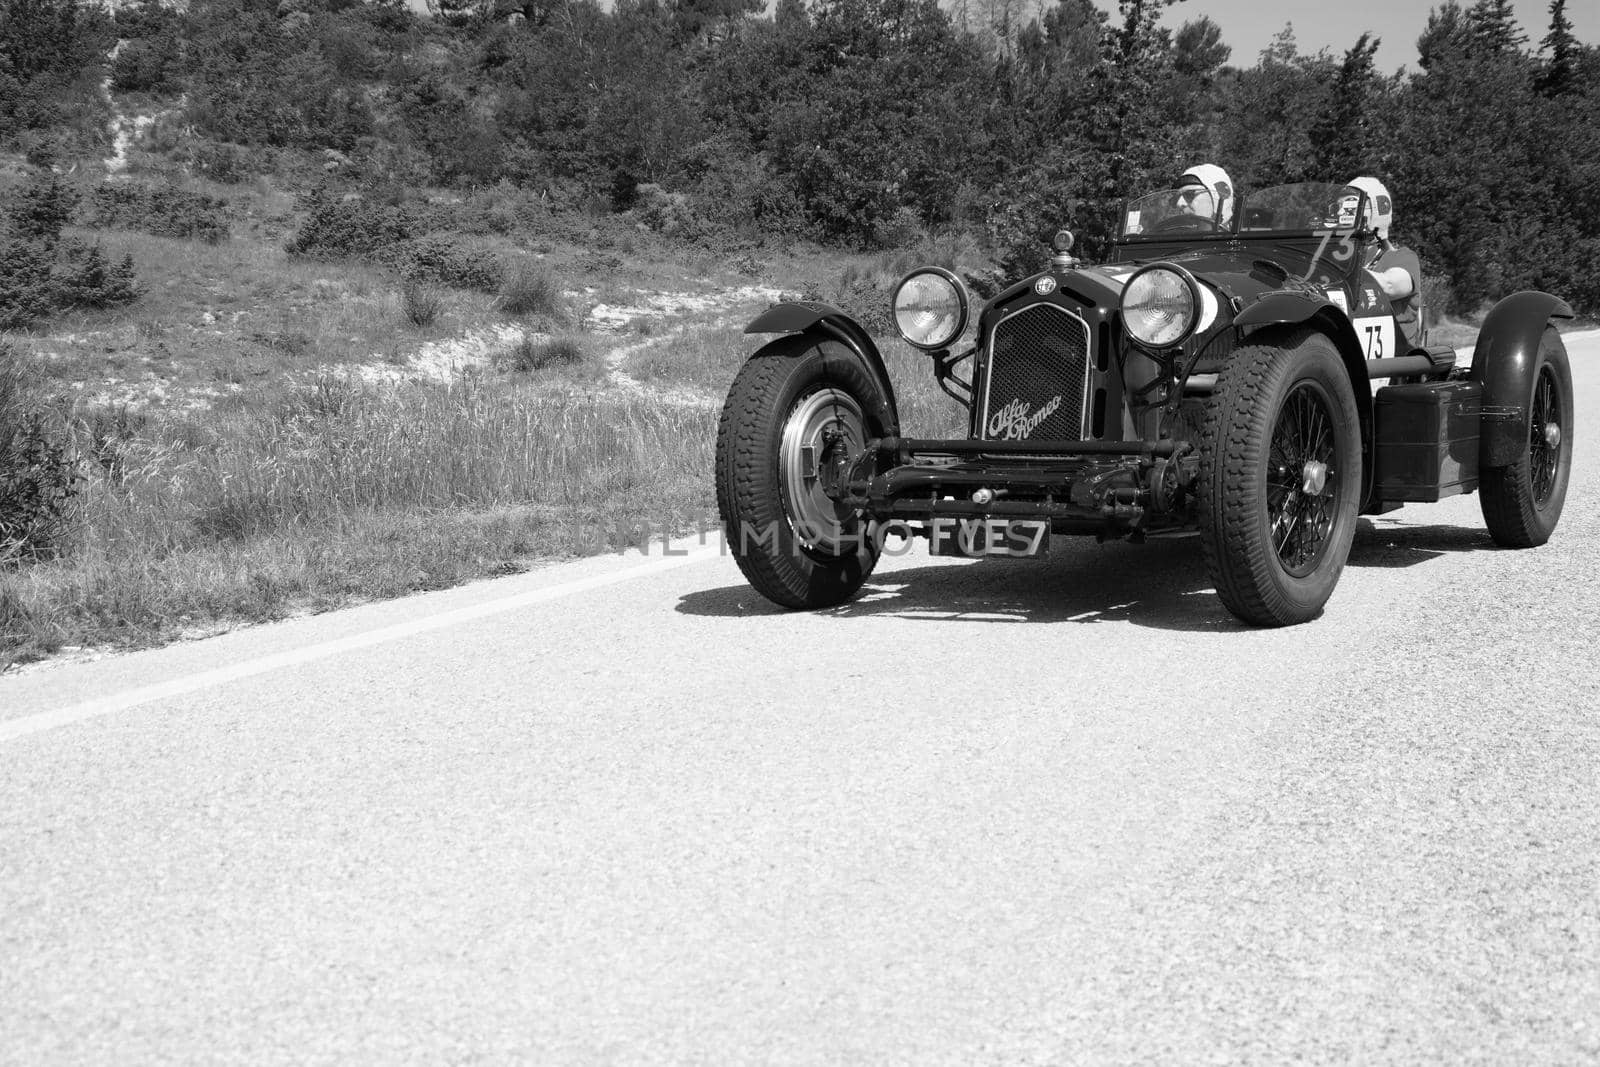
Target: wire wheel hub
x,y
1544,436
1303,479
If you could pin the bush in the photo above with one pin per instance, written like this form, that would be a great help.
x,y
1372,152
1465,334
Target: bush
x,y
349,227
147,65
419,302
43,206
446,260
531,354
164,210
225,163
41,272
530,290
38,470
82,278
1437,298
669,214
25,287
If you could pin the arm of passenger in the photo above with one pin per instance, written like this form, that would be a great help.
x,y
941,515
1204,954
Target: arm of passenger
x,y
1396,282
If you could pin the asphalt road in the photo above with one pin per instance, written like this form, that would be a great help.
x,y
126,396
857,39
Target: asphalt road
x,y
623,811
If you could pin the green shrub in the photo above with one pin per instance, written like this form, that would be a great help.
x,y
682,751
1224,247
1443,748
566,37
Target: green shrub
x,y
38,469
419,302
165,210
83,278
536,354
1437,299
532,290
41,272
41,208
446,260
348,227
26,294
147,65
226,163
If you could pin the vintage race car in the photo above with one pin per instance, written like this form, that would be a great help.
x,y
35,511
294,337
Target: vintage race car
x,y
1218,375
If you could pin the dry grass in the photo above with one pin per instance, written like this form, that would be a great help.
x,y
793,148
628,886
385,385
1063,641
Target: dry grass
x,y
346,491
420,302
563,352
532,290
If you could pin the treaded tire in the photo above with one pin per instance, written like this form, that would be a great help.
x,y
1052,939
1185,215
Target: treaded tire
x,y
1519,513
1237,498
773,387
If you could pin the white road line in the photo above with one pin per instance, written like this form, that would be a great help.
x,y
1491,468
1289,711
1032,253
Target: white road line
x,y
49,720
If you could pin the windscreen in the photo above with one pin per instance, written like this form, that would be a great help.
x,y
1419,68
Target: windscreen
x,y
1173,214
1311,229
1302,208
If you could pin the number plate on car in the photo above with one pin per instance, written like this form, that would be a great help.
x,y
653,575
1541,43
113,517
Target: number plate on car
x,y
981,536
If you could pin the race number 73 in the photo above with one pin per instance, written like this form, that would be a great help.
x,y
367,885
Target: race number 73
x,y
1377,336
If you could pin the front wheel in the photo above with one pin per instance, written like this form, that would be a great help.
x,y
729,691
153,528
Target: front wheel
x,y
1522,502
1280,479
798,413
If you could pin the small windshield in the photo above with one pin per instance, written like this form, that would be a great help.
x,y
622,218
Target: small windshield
x,y
1302,208
1173,213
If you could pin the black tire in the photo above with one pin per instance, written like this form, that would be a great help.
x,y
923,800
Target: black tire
x,y
1522,502
1280,479
796,547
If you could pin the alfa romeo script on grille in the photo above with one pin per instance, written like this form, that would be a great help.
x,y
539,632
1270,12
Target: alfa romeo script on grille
x,y
1014,422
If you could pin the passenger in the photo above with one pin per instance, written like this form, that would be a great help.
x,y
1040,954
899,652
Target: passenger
x,y
1397,270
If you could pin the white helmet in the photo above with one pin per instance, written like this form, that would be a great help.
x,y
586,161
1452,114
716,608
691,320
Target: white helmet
x,y
1380,208
1215,180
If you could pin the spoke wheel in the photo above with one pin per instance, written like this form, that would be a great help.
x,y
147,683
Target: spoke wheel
x,y
1280,479
1545,434
1522,501
1302,479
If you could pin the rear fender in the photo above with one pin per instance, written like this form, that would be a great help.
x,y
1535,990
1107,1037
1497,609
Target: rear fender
x,y
824,320
1504,360
1277,311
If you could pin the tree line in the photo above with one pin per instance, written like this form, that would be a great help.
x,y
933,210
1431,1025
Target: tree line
x,y
861,122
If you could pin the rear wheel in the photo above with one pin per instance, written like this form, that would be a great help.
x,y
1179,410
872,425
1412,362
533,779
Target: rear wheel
x,y
1522,502
1280,479
800,411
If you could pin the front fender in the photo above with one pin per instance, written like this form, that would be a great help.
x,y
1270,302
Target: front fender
x,y
1505,360
1326,317
825,320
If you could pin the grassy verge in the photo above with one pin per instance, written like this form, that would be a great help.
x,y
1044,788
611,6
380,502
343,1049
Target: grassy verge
x,y
345,490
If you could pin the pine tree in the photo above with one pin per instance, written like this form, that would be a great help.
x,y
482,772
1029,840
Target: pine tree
x,y
1343,136
1493,29
1445,34
1560,71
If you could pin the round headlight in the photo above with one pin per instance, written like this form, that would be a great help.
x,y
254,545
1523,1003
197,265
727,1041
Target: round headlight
x,y
1159,306
930,307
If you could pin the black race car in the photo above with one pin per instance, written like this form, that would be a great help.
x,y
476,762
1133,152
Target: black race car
x,y
1214,374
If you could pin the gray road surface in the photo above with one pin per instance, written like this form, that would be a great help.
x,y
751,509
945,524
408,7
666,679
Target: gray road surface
x,y
622,811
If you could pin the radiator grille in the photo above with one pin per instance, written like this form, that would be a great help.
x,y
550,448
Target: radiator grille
x,y
1036,381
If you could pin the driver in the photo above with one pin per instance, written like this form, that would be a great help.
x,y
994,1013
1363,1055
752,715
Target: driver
x,y
1206,190
1397,270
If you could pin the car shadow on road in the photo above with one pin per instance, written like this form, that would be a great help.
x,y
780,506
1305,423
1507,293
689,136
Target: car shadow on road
x,y
1383,542
1161,584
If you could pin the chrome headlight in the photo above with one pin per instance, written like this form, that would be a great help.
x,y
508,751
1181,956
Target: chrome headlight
x,y
1161,305
930,307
